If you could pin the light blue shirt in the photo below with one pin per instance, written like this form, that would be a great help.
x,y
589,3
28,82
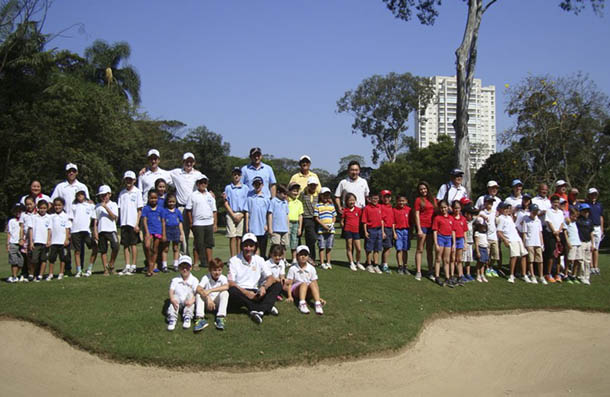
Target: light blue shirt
x,y
236,196
279,209
257,207
248,172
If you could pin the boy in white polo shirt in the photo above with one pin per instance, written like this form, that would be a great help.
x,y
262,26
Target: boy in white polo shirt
x,y
14,240
60,238
201,212
531,228
105,232
507,232
182,295
130,204
40,237
212,295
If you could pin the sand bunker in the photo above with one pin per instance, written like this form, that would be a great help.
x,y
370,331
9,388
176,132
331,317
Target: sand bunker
x,y
541,353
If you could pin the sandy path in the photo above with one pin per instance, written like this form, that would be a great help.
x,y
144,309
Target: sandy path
x,y
475,355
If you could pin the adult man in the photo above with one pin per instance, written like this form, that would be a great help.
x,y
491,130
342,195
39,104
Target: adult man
x,y
246,270
147,179
304,174
352,184
68,188
515,198
453,190
309,198
492,190
542,201
36,193
258,168
597,216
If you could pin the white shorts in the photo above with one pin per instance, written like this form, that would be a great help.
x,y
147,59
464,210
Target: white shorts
x,y
597,237
517,249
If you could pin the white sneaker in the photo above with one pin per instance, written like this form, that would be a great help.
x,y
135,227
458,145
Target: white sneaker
x,y
187,323
133,269
303,308
23,280
38,279
511,279
418,276
377,270
172,325
60,276
526,279
353,267
78,274
274,311
319,309
324,266
479,279
586,281
49,277
360,266
329,266
485,280
176,268
533,280
11,279
88,273
370,269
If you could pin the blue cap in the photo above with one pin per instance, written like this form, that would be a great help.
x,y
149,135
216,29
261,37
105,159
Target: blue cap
x,y
534,207
236,170
527,195
516,182
584,206
456,172
488,197
257,179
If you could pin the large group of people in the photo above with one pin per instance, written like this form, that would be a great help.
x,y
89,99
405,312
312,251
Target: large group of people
x,y
549,238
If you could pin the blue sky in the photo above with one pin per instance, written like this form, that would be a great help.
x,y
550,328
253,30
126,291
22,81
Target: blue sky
x,y
269,73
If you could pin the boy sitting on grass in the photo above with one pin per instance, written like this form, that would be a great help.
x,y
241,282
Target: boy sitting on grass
x,y
212,295
182,295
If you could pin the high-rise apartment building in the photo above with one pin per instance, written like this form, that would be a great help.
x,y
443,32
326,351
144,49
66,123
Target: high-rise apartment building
x,y
440,113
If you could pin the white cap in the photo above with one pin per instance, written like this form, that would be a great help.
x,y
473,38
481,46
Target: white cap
x,y
492,184
302,248
249,236
129,174
203,176
305,157
103,190
312,179
153,152
71,166
188,155
185,259
592,190
560,182
324,190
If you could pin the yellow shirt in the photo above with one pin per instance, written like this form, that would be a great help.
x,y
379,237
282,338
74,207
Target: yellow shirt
x,y
302,180
295,209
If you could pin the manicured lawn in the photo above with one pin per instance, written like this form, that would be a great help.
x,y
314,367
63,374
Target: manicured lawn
x,y
121,317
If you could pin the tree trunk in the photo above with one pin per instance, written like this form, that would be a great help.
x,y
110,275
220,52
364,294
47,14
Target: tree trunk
x,y
466,58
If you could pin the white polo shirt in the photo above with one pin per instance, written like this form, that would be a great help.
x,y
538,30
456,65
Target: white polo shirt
x,y
246,275
207,282
203,206
185,183
148,179
358,187
520,216
82,213
40,226
276,269
544,204
129,202
531,229
14,229
67,191
491,224
455,192
514,202
555,218
302,275
506,225
104,222
184,289
59,223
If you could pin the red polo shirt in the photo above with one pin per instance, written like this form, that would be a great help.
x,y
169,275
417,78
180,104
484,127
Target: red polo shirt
x,y
352,219
443,225
460,226
401,217
371,215
387,214
426,214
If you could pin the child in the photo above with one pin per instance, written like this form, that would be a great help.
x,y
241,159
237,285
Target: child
x,y
507,232
401,233
257,206
201,211
480,248
586,232
554,224
182,292
372,223
235,196
161,188
173,231
531,230
574,247
14,241
460,227
489,214
388,232
153,230
325,216
106,214
469,213
302,281
40,237
26,219
83,215
295,217
212,295
350,224
130,204
276,265
277,218
60,238
444,240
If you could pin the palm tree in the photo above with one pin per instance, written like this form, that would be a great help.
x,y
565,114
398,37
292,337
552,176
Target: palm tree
x,y
105,59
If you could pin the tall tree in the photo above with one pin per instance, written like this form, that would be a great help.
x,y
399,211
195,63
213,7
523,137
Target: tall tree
x,y
381,106
107,68
345,160
466,55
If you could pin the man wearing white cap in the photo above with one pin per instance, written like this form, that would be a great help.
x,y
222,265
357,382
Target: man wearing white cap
x,y
130,210
492,190
260,169
246,270
185,180
352,184
68,188
147,179
597,217
516,197
301,177
454,190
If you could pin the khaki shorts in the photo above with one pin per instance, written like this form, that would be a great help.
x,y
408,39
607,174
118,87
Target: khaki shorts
x,y
534,254
494,252
234,229
517,249
575,253
586,253
281,239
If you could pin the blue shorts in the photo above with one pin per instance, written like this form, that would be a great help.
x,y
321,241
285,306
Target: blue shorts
x,y
388,240
443,241
352,235
402,242
459,243
172,233
426,230
326,240
373,243
484,255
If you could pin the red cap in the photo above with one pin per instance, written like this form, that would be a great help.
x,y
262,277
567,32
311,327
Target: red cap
x,y
465,201
386,193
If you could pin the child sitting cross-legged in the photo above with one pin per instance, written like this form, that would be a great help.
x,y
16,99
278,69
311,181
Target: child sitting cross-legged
x,y
302,282
182,295
212,295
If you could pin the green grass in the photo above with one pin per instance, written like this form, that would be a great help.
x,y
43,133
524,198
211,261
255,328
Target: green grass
x,y
121,317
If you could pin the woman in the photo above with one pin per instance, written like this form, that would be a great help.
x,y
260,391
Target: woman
x,y
425,207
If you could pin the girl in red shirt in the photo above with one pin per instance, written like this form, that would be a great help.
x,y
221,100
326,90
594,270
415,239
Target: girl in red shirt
x,y
350,223
460,227
444,239
424,207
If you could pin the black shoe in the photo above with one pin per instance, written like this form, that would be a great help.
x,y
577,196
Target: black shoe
x,y
450,283
256,317
440,282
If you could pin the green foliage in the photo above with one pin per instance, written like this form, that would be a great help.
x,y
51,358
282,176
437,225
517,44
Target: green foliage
x,y
345,160
211,154
381,106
